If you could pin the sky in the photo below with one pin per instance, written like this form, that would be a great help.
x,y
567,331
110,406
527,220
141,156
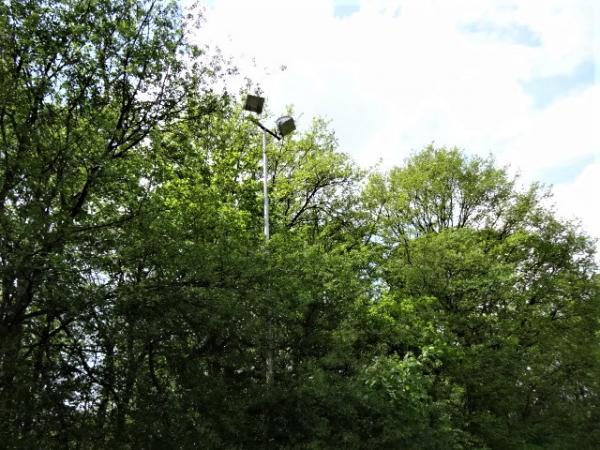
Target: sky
x,y
516,79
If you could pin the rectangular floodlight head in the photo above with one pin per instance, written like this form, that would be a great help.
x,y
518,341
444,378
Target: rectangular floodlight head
x,y
254,103
285,125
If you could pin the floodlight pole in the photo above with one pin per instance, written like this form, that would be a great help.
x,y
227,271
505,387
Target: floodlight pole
x,y
265,186
265,130
265,174
285,126
269,358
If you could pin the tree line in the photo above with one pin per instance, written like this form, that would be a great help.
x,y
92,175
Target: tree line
x,y
438,305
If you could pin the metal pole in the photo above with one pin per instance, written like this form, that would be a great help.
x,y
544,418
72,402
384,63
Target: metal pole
x,y
265,186
269,359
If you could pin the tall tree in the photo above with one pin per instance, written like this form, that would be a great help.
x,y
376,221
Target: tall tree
x,y
437,306
488,279
83,84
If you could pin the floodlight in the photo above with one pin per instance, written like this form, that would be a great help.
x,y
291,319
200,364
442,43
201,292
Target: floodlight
x,y
254,103
285,125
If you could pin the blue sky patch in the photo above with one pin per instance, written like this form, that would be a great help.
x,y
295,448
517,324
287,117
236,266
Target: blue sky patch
x,y
345,8
546,90
567,171
514,34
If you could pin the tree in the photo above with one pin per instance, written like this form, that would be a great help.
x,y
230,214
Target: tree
x,y
486,278
139,300
83,85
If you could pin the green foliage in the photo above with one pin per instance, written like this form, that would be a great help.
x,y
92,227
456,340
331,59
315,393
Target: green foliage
x,y
437,306
500,289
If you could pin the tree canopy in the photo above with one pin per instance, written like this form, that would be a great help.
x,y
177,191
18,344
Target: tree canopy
x,y
438,305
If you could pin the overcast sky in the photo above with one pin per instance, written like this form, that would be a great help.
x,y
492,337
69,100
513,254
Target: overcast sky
x,y
517,79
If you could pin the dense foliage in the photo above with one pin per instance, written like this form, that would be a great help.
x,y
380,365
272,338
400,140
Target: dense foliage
x,y
435,306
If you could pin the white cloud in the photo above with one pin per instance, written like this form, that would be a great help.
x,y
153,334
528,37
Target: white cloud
x,y
567,130
398,74
579,199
